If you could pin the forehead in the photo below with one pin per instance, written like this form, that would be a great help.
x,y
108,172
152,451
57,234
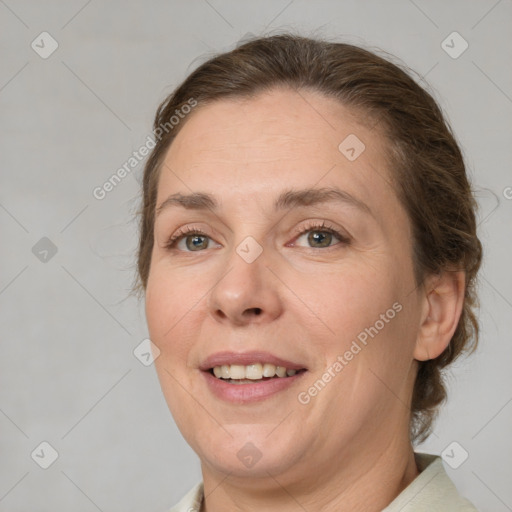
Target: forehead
x,y
247,148
271,121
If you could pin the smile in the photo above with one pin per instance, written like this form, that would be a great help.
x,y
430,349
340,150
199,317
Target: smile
x,y
244,377
248,374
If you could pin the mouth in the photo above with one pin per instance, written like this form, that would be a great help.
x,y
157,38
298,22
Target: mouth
x,y
252,373
248,377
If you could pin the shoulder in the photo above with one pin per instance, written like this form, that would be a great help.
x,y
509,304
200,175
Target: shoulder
x,y
192,501
432,490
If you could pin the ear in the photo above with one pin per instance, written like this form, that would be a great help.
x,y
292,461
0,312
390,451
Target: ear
x,y
442,307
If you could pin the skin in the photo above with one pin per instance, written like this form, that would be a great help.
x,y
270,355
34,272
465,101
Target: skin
x,y
313,302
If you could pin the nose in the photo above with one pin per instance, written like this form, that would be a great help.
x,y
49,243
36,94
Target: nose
x,y
245,293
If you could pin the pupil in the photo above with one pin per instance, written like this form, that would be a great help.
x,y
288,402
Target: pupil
x,y
319,237
193,246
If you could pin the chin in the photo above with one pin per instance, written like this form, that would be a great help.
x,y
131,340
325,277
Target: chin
x,y
249,462
250,451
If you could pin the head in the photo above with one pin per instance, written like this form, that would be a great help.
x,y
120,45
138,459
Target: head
x,y
330,223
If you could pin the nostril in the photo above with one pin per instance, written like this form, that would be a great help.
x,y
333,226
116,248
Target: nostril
x,y
253,311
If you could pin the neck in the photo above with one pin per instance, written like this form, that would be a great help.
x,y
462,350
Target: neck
x,y
365,481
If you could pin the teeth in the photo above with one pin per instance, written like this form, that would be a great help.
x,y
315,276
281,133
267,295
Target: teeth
x,y
237,371
255,371
280,371
269,370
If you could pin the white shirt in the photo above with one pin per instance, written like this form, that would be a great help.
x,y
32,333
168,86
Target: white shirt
x,y
431,491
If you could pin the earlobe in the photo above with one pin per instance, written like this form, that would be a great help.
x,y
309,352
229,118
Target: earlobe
x,y
443,302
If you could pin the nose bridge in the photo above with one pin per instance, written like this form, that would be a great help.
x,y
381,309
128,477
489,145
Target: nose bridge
x,y
247,289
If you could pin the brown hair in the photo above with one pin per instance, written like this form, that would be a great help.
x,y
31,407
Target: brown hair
x,y
427,164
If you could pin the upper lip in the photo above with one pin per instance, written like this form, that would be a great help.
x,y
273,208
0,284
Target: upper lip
x,y
247,358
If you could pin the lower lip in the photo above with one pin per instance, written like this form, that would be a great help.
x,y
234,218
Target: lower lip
x,y
246,393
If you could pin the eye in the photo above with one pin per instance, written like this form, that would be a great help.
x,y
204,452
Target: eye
x,y
195,242
320,236
189,239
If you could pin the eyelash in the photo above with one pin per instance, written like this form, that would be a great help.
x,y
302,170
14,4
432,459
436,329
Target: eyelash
x,y
181,233
188,230
314,226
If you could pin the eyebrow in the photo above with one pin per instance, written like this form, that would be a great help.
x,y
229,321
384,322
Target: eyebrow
x,y
287,200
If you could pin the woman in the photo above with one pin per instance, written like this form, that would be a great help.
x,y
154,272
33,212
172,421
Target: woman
x,y
308,253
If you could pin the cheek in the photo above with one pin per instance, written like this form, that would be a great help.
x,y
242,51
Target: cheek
x,y
372,335
158,305
376,337
170,301
349,301
368,324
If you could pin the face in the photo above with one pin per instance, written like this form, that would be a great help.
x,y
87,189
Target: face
x,y
294,260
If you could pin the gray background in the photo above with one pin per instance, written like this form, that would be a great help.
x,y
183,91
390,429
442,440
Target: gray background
x,y
68,375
